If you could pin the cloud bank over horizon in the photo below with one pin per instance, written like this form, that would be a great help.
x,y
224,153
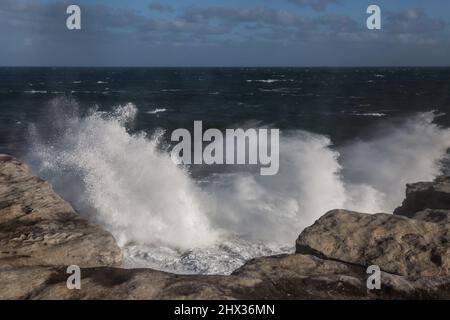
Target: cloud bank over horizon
x,y
224,33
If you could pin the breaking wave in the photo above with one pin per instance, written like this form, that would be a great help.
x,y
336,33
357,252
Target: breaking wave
x,y
164,218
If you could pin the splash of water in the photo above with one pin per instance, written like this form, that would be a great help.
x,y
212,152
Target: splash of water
x,y
163,218
124,180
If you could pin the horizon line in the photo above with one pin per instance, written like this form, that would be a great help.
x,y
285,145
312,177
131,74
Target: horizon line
x,y
219,66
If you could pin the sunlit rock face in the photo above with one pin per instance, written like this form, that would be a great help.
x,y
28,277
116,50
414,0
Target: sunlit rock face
x,y
41,234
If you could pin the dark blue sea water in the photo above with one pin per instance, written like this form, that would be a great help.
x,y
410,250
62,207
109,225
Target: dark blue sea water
x,y
350,138
343,103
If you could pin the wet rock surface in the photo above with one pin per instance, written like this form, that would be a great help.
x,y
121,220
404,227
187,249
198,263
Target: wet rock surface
x,y
41,234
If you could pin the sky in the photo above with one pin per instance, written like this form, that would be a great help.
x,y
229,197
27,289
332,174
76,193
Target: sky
x,y
225,33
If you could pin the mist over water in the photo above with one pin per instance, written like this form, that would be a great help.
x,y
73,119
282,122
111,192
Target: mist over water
x,y
397,154
164,218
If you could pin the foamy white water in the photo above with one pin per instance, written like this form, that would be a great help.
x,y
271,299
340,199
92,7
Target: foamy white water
x,y
371,114
157,110
125,182
165,219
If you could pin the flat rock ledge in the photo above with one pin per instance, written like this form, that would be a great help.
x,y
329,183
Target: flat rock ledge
x,y
41,234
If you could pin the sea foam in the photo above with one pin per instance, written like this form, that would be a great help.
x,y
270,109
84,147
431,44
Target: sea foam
x,y
164,218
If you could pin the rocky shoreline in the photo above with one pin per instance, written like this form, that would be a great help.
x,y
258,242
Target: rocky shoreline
x,y
41,234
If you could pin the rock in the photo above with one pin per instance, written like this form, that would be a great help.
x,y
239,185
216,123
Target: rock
x,y
278,277
433,215
41,234
311,277
425,195
37,227
396,244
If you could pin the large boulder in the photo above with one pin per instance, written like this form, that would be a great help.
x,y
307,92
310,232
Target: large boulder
x,y
425,195
396,244
37,227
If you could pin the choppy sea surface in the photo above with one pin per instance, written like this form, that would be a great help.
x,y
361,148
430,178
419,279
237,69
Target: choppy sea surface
x,y
350,138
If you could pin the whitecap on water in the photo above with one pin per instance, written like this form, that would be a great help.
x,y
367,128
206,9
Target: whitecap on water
x,y
371,114
157,110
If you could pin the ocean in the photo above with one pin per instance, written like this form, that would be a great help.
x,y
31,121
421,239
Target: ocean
x,y
350,138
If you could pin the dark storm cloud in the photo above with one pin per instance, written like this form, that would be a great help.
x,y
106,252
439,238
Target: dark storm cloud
x,y
337,23
158,6
318,5
262,15
268,23
33,16
415,21
50,18
34,33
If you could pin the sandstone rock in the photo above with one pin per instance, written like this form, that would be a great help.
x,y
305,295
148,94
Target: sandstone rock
x,y
397,244
433,215
278,277
311,277
40,234
37,227
425,195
